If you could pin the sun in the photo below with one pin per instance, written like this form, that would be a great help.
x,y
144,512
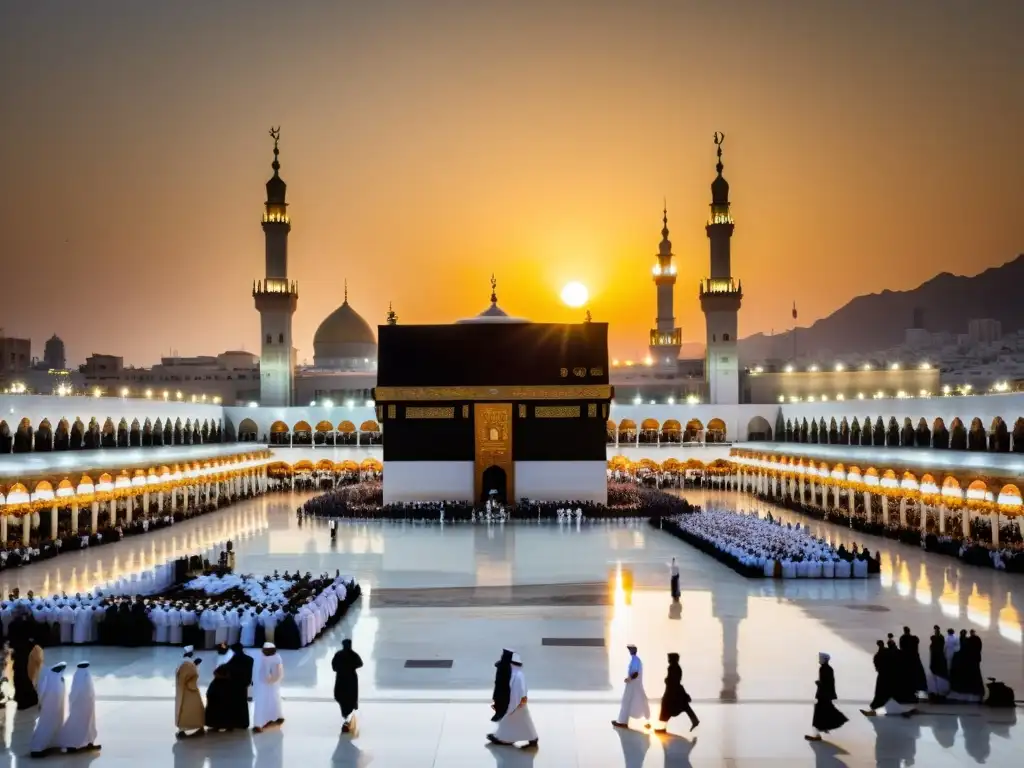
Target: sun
x,y
575,294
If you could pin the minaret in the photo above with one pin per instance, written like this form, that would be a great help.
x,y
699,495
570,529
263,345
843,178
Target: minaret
x,y
720,297
276,297
666,338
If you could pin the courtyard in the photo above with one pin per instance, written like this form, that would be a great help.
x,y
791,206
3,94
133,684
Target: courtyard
x,y
440,603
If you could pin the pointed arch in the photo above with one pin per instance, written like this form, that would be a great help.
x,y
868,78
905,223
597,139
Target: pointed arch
x,y
62,437
957,435
6,439
844,432
23,437
176,433
758,428
248,432
907,438
716,431
892,433
999,436
977,436
147,433
43,438
135,434
77,435
122,433
204,432
940,435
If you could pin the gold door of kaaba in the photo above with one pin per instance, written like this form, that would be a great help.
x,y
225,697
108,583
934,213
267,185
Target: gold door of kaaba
x,y
493,446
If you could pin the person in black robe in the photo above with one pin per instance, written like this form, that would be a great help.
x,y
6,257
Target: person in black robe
x,y
675,701
286,634
261,631
346,682
239,672
22,641
910,656
939,683
218,702
826,716
502,681
958,670
974,682
883,680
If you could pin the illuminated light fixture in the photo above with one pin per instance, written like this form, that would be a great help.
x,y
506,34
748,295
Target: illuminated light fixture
x,y
810,398
97,392
124,391
216,401
759,369
166,394
648,360
966,388
652,402
203,398
824,398
370,403
926,366
879,395
149,394
894,367
925,393
637,400
629,363
193,398
671,401
178,394
789,369
946,389
902,395
328,403
840,396
813,369
867,366
350,403
692,400
63,390
840,367
1002,386
782,398
794,399
253,404
860,395
312,403
615,363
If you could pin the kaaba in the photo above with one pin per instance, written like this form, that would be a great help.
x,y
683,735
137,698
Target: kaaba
x,y
494,410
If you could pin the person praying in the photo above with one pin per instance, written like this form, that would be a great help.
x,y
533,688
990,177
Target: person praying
x,y
826,717
674,579
516,724
502,680
888,684
189,713
634,698
346,682
79,731
675,701
52,701
267,689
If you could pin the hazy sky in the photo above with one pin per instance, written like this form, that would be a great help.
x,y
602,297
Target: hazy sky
x,y
427,143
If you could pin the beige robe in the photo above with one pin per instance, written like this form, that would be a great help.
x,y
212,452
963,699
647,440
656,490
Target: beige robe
x,y
189,713
35,664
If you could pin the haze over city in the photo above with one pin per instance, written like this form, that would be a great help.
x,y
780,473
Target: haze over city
x,y
427,145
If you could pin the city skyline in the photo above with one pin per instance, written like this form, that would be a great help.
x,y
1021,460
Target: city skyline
x,y
537,145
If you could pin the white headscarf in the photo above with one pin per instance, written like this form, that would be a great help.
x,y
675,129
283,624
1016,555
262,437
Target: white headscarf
x,y
80,728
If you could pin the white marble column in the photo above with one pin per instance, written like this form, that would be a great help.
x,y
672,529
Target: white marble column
x,y
965,522
903,511
3,529
129,508
942,518
112,510
54,510
26,529
94,523
145,504
867,505
994,520
174,500
74,517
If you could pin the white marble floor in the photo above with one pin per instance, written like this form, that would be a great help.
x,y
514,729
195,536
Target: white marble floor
x,y
462,592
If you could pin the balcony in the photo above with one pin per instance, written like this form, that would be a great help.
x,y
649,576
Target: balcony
x,y
721,286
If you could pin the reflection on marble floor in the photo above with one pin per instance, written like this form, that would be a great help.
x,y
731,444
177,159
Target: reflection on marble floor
x,y
750,641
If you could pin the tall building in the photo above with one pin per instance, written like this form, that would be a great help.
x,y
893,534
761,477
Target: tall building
x,y
276,297
53,354
666,338
720,297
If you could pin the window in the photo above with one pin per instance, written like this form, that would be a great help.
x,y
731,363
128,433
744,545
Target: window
x,y
270,339
714,337
725,359
280,338
725,337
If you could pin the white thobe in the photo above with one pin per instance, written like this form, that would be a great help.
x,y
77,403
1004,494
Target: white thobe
x,y
51,712
220,632
80,729
158,616
266,690
83,625
247,636
634,698
67,625
174,626
234,625
516,725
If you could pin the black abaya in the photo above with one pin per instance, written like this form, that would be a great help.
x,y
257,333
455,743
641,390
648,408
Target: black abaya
x,y
502,681
883,680
219,704
675,700
910,653
826,716
346,680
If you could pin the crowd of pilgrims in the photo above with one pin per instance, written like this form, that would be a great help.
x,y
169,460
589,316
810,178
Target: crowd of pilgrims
x,y
624,500
290,609
975,549
764,547
74,535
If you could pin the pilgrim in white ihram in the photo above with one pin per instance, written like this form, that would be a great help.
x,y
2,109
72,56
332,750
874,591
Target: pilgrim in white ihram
x,y
516,725
634,698
51,712
266,689
79,731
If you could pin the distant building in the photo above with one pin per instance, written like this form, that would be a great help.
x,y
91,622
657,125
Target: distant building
x,y
820,384
230,377
53,354
984,331
15,359
917,338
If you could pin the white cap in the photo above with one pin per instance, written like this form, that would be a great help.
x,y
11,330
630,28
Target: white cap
x,y
516,659
268,646
188,649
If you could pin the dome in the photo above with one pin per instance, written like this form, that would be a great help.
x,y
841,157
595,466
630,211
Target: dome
x,y
493,314
276,189
344,341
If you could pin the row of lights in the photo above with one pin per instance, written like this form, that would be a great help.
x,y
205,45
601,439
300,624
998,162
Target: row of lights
x,y
65,390
327,403
947,391
690,400
839,368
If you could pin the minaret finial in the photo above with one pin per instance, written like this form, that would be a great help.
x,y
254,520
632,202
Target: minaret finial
x,y
494,290
346,290
275,134
719,139
392,318
664,221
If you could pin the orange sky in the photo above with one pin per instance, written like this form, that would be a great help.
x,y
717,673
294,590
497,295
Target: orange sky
x,y
427,144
